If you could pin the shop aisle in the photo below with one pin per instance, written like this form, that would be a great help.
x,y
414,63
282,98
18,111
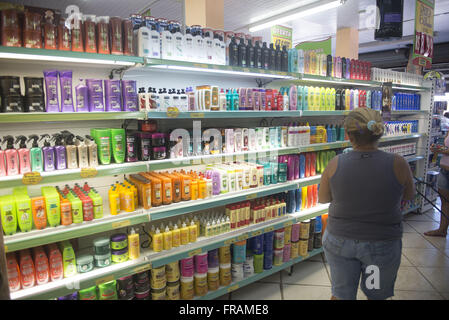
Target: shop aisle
x,y
423,274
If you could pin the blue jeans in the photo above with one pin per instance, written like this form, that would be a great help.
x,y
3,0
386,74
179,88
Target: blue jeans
x,y
376,262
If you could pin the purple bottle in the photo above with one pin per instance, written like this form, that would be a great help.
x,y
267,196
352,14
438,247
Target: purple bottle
x,y
215,176
82,102
296,167
290,168
129,95
348,68
95,95
60,152
51,90
65,81
112,95
48,153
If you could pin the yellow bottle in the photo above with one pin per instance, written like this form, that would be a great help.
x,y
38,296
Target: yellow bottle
x,y
168,239
158,242
192,232
304,198
114,201
133,245
197,223
194,189
184,234
128,199
176,242
152,233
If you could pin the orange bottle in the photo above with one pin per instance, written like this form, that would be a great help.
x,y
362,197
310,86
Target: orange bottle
x,y
143,189
166,187
55,262
309,197
39,212
185,185
176,186
66,212
202,189
27,271
156,189
12,268
194,189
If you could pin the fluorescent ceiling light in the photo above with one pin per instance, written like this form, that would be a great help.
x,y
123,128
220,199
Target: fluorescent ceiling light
x,y
295,14
21,56
249,74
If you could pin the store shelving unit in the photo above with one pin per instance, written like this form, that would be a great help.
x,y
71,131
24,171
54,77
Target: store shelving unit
x,y
148,259
151,259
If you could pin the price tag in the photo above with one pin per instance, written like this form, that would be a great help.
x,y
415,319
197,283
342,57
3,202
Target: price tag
x,y
104,280
251,196
242,237
233,288
121,224
143,268
269,229
229,241
197,115
256,233
88,172
195,252
172,112
31,178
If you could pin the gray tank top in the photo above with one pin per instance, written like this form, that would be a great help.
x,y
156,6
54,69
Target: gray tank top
x,y
366,197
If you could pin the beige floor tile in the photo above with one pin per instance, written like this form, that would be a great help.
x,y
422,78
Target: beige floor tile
x,y
426,257
439,242
407,228
445,295
307,273
423,226
415,240
405,262
258,291
409,278
301,292
274,278
417,295
223,297
417,217
439,277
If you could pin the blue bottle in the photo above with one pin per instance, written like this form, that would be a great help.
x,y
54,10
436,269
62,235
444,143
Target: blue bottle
x,y
302,166
298,199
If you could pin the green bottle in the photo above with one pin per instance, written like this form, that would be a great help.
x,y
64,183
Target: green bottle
x,y
97,201
118,140
108,291
52,205
19,191
37,163
9,215
24,214
77,207
68,259
102,138
88,294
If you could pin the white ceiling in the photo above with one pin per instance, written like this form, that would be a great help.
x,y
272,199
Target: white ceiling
x,y
236,17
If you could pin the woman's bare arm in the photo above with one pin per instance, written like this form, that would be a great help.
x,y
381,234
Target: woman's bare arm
x,y
405,177
324,194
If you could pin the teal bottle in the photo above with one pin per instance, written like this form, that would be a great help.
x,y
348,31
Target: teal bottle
x,y
37,163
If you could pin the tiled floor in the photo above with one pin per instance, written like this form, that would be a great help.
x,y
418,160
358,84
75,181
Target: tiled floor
x,y
423,275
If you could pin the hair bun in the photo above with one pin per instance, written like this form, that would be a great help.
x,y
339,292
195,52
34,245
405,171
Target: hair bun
x,y
378,128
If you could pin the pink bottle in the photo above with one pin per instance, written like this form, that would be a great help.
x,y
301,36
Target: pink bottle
x,y
11,157
24,155
2,162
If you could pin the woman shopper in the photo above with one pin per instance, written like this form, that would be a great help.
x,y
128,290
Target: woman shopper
x,y
363,237
443,188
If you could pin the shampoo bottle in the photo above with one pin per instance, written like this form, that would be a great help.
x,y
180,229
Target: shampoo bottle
x,y
11,157
59,152
71,149
2,161
68,259
9,215
82,150
158,241
24,155
27,270
134,245
36,159
118,139
23,210
92,151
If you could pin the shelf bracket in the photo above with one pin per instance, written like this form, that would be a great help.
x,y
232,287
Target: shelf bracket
x,y
261,83
118,71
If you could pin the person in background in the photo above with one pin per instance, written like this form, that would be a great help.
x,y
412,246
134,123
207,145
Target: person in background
x,y
363,237
443,186
445,122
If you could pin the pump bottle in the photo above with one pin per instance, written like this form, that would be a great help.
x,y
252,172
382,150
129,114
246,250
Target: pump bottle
x,y
72,158
48,152
2,161
35,155
11,157
24,155
83,154
59,152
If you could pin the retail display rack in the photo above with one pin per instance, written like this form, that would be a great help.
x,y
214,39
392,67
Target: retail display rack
x,y
102,176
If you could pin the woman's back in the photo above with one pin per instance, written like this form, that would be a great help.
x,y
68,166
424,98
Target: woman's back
x,y
366,197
